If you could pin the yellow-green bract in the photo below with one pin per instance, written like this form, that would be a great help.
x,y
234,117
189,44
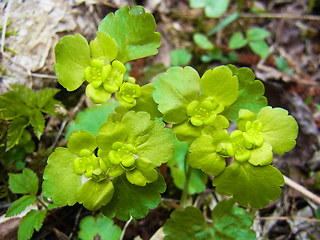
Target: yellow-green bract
x,y
192,103
87,169
126,35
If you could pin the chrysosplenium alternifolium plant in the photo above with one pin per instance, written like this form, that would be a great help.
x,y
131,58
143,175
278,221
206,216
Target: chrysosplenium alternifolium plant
x,y
116,171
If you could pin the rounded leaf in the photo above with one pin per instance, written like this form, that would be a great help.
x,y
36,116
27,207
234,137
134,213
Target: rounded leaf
x,y
202,41
250,185
79,140
97,95
260,47
257,34
151,139
187,224
237,41
134,32
186,131
61,183
72,57
262,155
101,226
146,103
220,84
250,97
203,156
131,200
109,133
175,89
93,195
278,129
104,46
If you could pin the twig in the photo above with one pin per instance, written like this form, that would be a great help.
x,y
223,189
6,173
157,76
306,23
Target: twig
x,y
40,75
75,223
294,218
4,25
63,124
171,203
125,227
313,197
280,16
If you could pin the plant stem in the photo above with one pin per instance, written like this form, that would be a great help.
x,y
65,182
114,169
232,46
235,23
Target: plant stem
x,y
184,195
42,203
294,218
59,220
125,227
4,26
313,197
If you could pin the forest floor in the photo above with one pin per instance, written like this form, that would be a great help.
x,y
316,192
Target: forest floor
x,y
290,73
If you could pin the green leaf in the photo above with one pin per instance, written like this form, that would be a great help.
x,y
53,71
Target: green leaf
x,y
245,76
33,220
151,139
257,34
223,23
103,46
202,41
220,84
237,41
11,105
248,184
178,167
25,94
19,205
250,95
15,131
175,89
278,129
61,183
98,227
282,64
44,96
212,9
72,57
109,133
143,143
81,140
24,183
197,4
180,57
228,223
186,131
50,107
84,119
250,98
93,195
262,155
146,103
231,222
203,154
37,122
260,47
187,224
131,200
134,32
